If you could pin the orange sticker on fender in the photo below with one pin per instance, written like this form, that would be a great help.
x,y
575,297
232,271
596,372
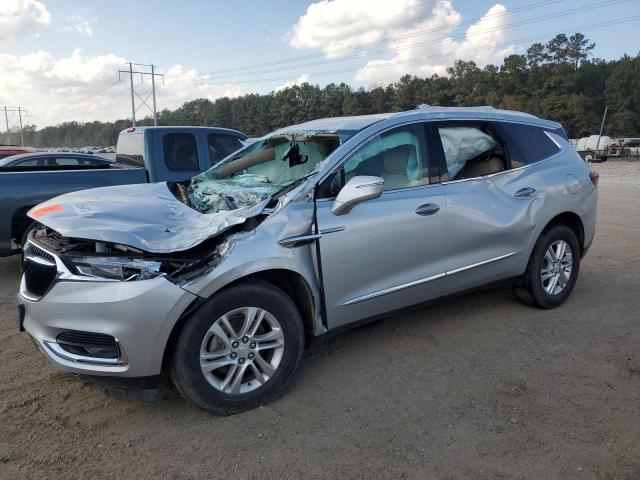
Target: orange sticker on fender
x,y
42,211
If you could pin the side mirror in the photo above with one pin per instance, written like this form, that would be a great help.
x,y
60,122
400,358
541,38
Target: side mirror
x,y
357,190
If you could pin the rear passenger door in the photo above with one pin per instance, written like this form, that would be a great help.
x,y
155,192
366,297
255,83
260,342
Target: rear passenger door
x,y
492,191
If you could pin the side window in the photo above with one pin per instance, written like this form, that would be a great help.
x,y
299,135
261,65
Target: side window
x,y
180,151
62,161
527,144
31,162
399,156
221,146
471,151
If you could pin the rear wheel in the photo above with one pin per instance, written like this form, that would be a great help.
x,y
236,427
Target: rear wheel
x,y
239,350
552,270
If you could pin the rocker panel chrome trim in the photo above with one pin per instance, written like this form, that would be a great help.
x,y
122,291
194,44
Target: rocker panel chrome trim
x,y
403,286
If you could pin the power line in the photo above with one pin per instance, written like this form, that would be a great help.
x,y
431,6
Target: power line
x,y
14,124
134,93
429,42
446,54
388,39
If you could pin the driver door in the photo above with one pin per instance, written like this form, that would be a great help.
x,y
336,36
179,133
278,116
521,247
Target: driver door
x,y
386,253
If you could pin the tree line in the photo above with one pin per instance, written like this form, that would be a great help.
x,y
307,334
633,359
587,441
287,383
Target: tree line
x,y
556,80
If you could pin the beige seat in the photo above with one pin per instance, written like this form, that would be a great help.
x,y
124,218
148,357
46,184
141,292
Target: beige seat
x,y
395,169
480,167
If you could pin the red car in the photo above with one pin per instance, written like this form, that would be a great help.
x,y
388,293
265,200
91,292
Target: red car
x,y
8,150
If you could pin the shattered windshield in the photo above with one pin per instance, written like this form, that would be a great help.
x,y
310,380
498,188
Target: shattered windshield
x,y
259,171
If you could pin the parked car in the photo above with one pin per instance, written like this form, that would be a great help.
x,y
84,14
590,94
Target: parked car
x,y
32,161
311,229
143,154
9,150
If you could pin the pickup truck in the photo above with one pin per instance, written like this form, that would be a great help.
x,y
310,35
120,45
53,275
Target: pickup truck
x,y
143,155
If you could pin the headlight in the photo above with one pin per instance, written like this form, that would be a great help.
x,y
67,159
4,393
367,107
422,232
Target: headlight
x,y
116,268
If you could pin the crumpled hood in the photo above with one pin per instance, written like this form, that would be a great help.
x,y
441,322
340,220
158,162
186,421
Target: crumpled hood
x,y
144,216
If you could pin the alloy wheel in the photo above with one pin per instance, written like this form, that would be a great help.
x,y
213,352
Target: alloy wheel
x,y
242,350
556,267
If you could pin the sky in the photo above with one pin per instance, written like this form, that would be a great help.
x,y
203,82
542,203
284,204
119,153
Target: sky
x,y
59,59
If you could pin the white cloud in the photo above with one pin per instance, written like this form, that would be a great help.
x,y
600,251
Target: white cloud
x,y
19,17
77,87
344,24
78,24
304,78
338,24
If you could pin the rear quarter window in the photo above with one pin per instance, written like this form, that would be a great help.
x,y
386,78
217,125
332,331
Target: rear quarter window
x,y
130,149
180,151
527,144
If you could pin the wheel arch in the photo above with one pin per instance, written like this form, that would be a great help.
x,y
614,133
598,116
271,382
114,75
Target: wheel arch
x,y
571,220
20,222
292,283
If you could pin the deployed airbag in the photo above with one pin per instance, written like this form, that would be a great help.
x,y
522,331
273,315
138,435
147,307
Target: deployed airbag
x,y
461,144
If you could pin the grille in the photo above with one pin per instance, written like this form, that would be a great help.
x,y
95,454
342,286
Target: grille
x,y
89,344
39,269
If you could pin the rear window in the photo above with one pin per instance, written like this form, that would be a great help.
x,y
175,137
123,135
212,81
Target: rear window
x,y
180,151
130,149
221,146
527,144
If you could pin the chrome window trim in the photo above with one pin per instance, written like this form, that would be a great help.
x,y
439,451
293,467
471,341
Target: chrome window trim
x,y
492,175
345,156
437,276
390,191
548,134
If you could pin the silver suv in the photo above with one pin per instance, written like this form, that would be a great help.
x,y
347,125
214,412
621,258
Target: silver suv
x,y
222,280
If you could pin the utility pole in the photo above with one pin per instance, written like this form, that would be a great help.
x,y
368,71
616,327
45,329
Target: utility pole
x,y
133,103
143,101
604,117
153,90
6,118
21,134
14,124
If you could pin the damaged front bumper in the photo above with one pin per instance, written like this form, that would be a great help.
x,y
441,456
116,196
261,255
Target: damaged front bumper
x,y
79,325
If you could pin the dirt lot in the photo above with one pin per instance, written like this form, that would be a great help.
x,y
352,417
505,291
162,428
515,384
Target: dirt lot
x,y
476,387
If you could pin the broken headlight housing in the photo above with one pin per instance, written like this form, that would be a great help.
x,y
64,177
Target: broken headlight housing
x,y
121,269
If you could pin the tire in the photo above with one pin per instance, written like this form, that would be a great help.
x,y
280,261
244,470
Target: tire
x,y
588,156
535,286
218,390
30,227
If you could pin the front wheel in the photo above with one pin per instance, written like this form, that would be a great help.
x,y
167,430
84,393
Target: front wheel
x,y
239,350
552,270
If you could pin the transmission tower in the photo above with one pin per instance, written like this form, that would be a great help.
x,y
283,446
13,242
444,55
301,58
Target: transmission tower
x,y
10,125
143,101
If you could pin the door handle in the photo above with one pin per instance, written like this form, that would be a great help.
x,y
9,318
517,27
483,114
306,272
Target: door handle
x,y
427,209
526,192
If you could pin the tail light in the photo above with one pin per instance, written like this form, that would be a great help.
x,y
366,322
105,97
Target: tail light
x,y
595,178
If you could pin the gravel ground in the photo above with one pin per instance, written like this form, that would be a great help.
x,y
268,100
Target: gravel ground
x,y
478,387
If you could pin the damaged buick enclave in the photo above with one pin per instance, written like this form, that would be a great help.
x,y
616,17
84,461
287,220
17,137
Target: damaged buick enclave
x,y
222,280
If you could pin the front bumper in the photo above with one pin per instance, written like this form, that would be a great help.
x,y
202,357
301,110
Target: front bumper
x,y
140,315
